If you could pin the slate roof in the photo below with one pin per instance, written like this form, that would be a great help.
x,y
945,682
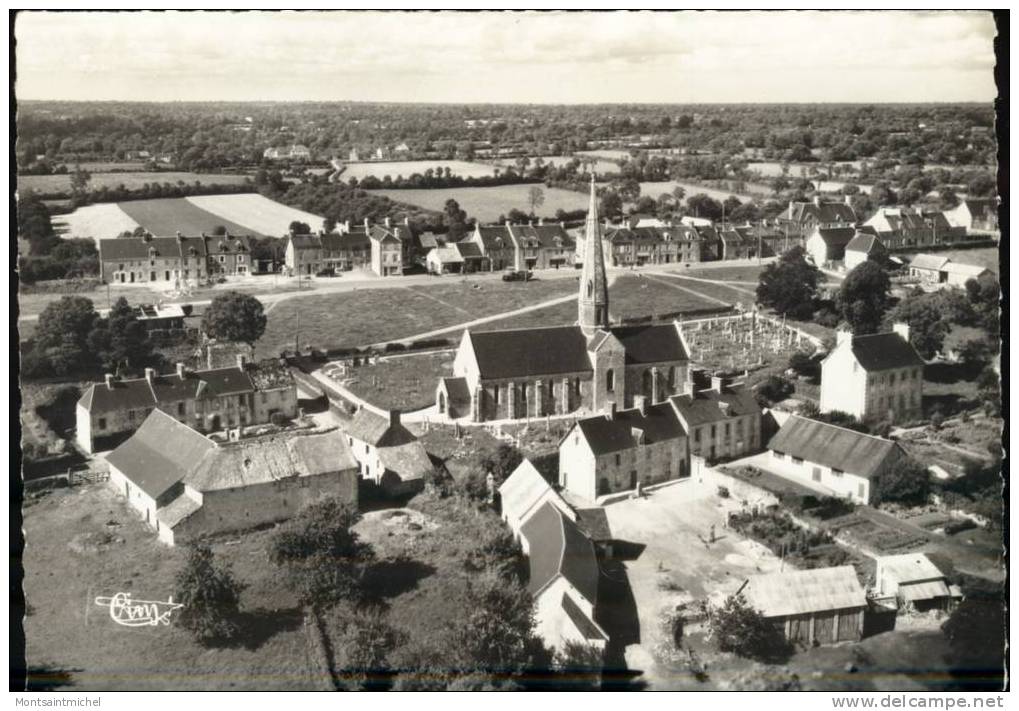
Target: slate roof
x,y
836,236
495,237
180,509
933,262
160,453
971,271
584,624
378,431
826,212
138,248
558,547
457,390
979,208
447,255
594,523
355,240
881,351
229,244
705,406
866,243
834,446
651,344
524,488
605,436
301,242
468,250
530,352
409,461
798,592
544,236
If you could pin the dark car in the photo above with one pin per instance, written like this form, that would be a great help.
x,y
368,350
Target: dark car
x,y
329,272
517,276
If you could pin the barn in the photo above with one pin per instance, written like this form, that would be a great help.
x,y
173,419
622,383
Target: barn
x,y
825,605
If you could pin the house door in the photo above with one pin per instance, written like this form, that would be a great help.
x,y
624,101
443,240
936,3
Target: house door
x,y
132,277
633,478
152,276
816,474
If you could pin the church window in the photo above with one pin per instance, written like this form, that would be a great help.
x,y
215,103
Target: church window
x,y
610,380
590,288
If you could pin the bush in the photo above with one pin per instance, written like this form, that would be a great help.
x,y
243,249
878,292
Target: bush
x,y
937,420
959,526
210,597
278,419
905,482
742,630
774,389
393,347
723,492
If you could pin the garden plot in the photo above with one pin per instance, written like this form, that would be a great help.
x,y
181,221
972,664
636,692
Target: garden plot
x,y
165,217
256,212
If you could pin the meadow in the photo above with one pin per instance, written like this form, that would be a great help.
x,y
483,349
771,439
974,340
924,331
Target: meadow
x,y
103,220
407,168
164,217
255,212
130,180
487,204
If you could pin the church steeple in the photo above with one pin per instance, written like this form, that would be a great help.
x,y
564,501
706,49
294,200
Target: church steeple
x,y
593,301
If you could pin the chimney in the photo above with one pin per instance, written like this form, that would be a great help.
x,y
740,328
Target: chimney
x,y
366,224
843,335
717,383
388,223
406,222
394,418
610,413
791,208
541,221
180,370
848,200
241,361
150,374
346,226
902,329
640,402
817,200
109,381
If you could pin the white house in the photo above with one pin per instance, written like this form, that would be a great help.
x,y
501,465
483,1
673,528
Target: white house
x,y
523,493
957,274
828,244
862,247
875,377
843,461
388,454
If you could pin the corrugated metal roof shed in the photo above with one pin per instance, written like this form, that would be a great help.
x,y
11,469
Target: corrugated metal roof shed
x,y
800,592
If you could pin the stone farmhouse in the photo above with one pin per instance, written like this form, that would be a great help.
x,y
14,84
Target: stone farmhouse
x,y
975,215
533,372
229,255
385,249
875,377
637,246
864,247
823,605
905,228
206,400
800,219
721,417
844,461
171,261
387,453
186,486
828,244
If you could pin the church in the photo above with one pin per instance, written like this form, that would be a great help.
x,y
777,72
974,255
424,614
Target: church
x,y
585,368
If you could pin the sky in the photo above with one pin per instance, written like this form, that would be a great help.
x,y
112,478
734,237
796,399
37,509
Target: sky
x,y
500,57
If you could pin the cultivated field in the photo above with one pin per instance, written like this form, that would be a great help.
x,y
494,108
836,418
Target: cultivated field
x,y
771,169
255,212
130,180
100,221
601,167
407,168
654,189
487,204
608,154
338,320
167,216
84,543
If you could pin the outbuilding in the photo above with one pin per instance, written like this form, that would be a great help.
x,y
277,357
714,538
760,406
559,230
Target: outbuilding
x,y
912,580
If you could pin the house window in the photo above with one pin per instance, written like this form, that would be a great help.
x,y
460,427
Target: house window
x,y
222,259
727,428
180,408
610,380
777,454
714,431
697,436
102,423
617,460
837,473
797,460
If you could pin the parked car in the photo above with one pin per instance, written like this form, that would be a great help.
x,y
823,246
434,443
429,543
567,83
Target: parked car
x,y
513,275
328,272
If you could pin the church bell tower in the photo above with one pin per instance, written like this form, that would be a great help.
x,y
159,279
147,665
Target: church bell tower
x,y
593,300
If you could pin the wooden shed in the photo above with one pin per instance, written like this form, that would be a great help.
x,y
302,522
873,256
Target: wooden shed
x,y
825,605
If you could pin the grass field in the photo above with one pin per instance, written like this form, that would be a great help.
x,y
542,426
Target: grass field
x,y
255,212
339,320
487,204
751,275
165,217
607,153
130,180
407,168
654,189
72,639
405,382
101,221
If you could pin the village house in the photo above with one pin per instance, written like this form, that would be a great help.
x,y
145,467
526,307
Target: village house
x,y
875,377
167,261
349,248
828,244
497,246
206,400
388,454
911,580
541,246
295,152
303,254
864,247
821,605
904,227
186,486
522,494
957,274
533,372
928,268
737,243
712,248
385,249
454,258
975,215
563,579
623,449
391,247
844,461
229,255
162,318
800,219
721,417
658,244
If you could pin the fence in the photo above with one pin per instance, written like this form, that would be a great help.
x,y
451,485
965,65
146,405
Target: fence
x,y
72,477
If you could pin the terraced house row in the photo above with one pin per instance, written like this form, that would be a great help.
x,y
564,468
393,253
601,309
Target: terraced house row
x,y
173,260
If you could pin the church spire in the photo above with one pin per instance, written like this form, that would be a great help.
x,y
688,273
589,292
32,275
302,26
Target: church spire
x,y
593,301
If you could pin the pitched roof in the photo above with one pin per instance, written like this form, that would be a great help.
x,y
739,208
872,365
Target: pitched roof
x,y
651,344
229,244
880,351
409,460
446,255
604,435
305,241
180,509
457,390
933,262
524,352
798,592
834,446
980,207
377,430
544,235
584,624
468,250
836,236
120,395
967,270
558,547
495,237
356,239
866,243
594,523
160,453
139,248
524,488
826,212
706,406
909,568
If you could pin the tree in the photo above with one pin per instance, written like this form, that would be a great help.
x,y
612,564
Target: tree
x,y
324,559
79,181
701,205
803,363
365,645
864,297
235,317
328,224
976,635
738,628
904,482
581,666
984,296
299,228
535,197
210,597
774,389
928,324
611,204
455,219
789,285
219,230
121,340
61,334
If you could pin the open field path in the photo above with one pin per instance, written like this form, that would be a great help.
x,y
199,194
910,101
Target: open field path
x,y
727,284
688,290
